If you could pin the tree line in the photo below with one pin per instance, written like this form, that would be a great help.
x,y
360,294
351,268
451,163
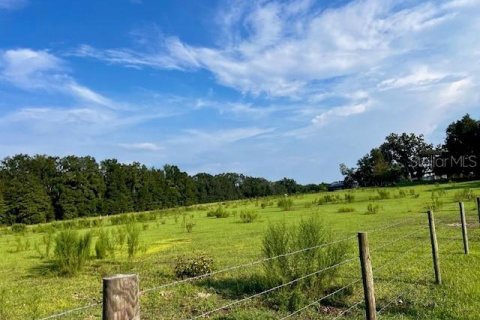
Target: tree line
x,y
41,188
408,157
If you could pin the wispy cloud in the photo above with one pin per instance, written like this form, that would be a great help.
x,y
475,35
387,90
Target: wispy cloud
x,y
40,70
288,45
141,146
12,4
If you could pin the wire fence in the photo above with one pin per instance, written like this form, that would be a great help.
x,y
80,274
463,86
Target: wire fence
x,y
385,249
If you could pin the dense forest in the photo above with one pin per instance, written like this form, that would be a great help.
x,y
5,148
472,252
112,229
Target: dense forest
x,y
408,157
40,188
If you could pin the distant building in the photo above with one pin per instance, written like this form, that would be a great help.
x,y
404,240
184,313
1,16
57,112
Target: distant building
x,y
337,185
340,185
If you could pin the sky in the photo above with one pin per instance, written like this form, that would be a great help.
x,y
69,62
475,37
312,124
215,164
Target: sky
x,y
266,88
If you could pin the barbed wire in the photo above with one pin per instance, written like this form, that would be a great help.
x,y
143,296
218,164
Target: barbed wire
x,y
391,301
226,306
399,258
396,240
349,309
391,225
321,299
245,265
67,312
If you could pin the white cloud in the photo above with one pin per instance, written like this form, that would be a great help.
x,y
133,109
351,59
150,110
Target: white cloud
x,y
40,70
141,146
12,4
420,77
344,111
288,45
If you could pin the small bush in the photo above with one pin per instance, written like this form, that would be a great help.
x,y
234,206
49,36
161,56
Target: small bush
x,y
133,238
188,267
383,194
464,195
248,216
119,236
104,245
345,209
263,205
285,204
72,251
349,197
189,226
373,208
280,240
219,212
19,228
47,241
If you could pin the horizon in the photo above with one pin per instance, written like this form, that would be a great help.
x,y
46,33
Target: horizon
x,y
269,89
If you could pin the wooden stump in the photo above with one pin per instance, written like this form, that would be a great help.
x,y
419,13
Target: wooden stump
x,y
121,297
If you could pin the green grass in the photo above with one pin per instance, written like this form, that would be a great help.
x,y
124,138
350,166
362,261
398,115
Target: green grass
x,y
31,288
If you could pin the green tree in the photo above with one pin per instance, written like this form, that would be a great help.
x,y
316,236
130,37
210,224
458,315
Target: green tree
x,y
81,187
26,201
25,197
118,198
462,147
407,151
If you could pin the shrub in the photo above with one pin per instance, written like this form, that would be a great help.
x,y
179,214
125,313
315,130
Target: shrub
x,y
345,209
383,194
104,245
188,267
263,205
72,251
349,197
373,208
285,204
47,241
19,228
189,226
220,212
118,234
280,240
132,232
464,195
248,216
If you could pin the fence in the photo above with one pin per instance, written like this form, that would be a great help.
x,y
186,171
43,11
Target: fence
x,y
121,293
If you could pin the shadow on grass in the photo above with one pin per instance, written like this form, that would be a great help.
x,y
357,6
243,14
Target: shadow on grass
x,y
236,288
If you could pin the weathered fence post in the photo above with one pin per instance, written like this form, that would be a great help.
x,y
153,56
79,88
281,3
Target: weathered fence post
x,y
464,227
433,240
367,276
121,297
478,208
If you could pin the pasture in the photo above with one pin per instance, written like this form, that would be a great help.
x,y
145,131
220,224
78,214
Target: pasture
x,y
32,288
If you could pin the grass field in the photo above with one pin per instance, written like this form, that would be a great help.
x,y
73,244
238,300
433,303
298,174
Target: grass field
x,y
30,288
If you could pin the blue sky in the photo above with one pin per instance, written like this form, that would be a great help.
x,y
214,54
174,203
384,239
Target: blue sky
x,y
265,88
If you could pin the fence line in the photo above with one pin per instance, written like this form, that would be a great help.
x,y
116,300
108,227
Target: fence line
x,y
272,289
349,309
391,225
396,240
321,299
397,259
253,263
391,301
67,312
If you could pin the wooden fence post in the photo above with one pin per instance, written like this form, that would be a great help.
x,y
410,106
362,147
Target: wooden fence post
x,y
367,276
121,297
478,208
433,240
464,227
